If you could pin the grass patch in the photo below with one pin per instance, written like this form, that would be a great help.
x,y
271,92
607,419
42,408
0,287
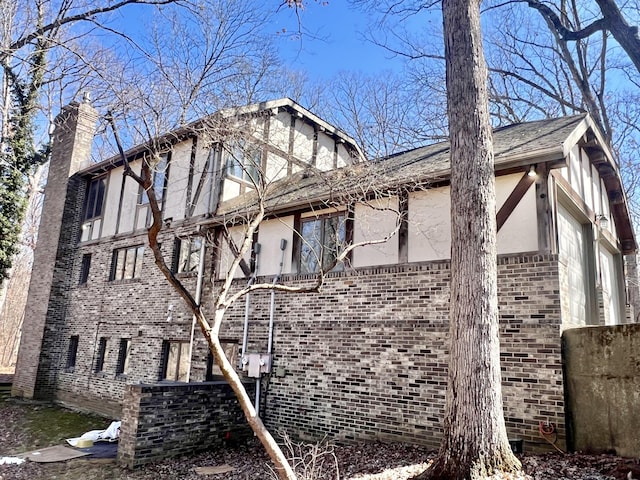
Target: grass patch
x,y
51,425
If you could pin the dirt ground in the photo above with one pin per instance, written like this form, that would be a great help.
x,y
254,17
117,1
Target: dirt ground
x,y
25,427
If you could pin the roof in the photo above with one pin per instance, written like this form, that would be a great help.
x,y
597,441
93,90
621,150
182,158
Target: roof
x,y
189,130
418,167
515,146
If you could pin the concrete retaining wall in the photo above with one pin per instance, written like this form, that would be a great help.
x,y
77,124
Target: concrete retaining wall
x,y
603,388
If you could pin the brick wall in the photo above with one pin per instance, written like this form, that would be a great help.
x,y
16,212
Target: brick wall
x,y
168,420
59,229
366,359
136,309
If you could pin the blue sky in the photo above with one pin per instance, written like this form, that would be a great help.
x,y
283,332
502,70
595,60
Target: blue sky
x,y
332,40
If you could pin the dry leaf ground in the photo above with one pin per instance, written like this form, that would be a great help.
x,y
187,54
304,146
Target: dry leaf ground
x,y
356,462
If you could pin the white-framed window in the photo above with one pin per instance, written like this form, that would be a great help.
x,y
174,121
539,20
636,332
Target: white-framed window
x,y
126,263
321,240
188,254
244,161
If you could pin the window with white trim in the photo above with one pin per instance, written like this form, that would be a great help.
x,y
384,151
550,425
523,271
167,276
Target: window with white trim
x,y
126,263
322,238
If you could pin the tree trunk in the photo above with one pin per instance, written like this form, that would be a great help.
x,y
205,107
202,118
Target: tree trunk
x,y
475,441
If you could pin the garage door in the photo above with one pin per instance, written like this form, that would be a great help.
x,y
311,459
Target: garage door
x,y
573,273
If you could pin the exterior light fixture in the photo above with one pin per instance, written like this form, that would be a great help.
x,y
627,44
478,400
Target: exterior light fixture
x,y
602,221
532,171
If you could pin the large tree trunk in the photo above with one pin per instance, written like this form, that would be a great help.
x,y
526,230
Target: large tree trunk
x,y
475,441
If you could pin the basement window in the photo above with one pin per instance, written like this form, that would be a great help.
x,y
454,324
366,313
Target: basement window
x,y
230,348
123,357
72,353
175,361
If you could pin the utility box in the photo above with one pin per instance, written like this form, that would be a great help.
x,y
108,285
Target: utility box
x,y
255,364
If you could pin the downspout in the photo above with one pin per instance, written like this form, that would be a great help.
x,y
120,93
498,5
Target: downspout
x,y
197,299
283,246
212,205
247,303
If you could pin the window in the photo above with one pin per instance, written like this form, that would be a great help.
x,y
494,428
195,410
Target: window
x,y
123,356
126,263
95,198
101,355
187,255
230,348
245,162
72,352
160,177
175,361
321,240
85,266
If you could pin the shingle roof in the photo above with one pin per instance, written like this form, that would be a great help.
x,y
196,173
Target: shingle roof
x,y
416,167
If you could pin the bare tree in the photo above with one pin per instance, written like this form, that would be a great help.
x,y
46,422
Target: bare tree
x,y
31,32
248,211
13,292
385,114
474,443
611,20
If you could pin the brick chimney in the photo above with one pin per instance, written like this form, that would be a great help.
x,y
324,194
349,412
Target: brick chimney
x,y
41,347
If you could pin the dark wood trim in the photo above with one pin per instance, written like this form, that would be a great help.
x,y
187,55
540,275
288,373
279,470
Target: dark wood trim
x,y
192,166
119,215
296,246
292,131
403,232
244,266
544,212
201,181
314,154
350,215
513,199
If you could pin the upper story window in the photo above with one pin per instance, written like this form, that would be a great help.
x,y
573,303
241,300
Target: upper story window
x,y
322,238
160,178
94,201
244,161
126,263
187,255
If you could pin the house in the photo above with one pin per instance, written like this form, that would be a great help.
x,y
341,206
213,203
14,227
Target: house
x,y
363,359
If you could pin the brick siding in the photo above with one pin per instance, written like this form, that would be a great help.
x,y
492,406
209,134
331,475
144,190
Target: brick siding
x,y
170,420
40,345
364,359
